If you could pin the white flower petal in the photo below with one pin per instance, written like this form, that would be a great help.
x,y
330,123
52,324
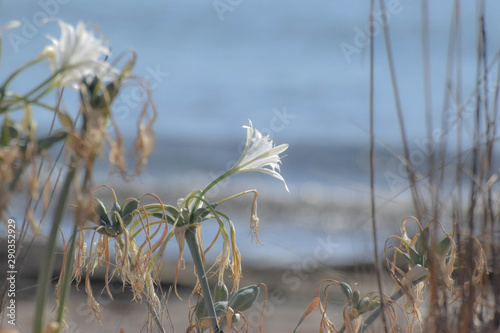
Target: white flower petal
x,y
10,25
260,153
76,54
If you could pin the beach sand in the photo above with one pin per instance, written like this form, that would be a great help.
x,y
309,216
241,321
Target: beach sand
x,y
289,293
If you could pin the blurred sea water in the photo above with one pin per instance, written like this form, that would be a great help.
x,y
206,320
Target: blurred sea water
x,y
283,64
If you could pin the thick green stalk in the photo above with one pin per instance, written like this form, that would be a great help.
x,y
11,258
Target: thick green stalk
x,y
45,275
68,272
397,295
192,242
374,315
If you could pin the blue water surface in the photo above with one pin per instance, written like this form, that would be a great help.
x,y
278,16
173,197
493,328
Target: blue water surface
x,y
283,64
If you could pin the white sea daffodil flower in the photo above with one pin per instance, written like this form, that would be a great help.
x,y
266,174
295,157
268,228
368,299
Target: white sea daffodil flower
x,y
76,55
10,25
259,153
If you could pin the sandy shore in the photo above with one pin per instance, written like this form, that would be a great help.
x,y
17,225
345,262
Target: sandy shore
x,y
289,293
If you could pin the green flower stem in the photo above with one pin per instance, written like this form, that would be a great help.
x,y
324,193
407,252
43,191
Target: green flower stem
x,y
45,275
235,196
43,84
397,295
192,242
212,184
22,68
156,318
68,272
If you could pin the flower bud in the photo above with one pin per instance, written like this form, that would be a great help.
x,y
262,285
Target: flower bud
x,y
244,298
373,305
220,292
236,317
220,308
355,299
101,212
363,305
200,309
127,210
346,290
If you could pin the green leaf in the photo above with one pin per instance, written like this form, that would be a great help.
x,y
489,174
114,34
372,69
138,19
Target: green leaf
x,y
423,241
5,138
185,216
443,246
127,210
161,216
65,120
203,213
414,256
45,143
101,212
406,257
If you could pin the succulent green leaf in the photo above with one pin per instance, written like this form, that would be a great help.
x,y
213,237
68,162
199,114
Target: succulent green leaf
x,y
5,138
406,257
160,216
117,222
46,143
65,120
101,212
443,246
414,256
171,210
423,241
116,207
185,215
203,213
107,230
115,215
127,210
129,207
